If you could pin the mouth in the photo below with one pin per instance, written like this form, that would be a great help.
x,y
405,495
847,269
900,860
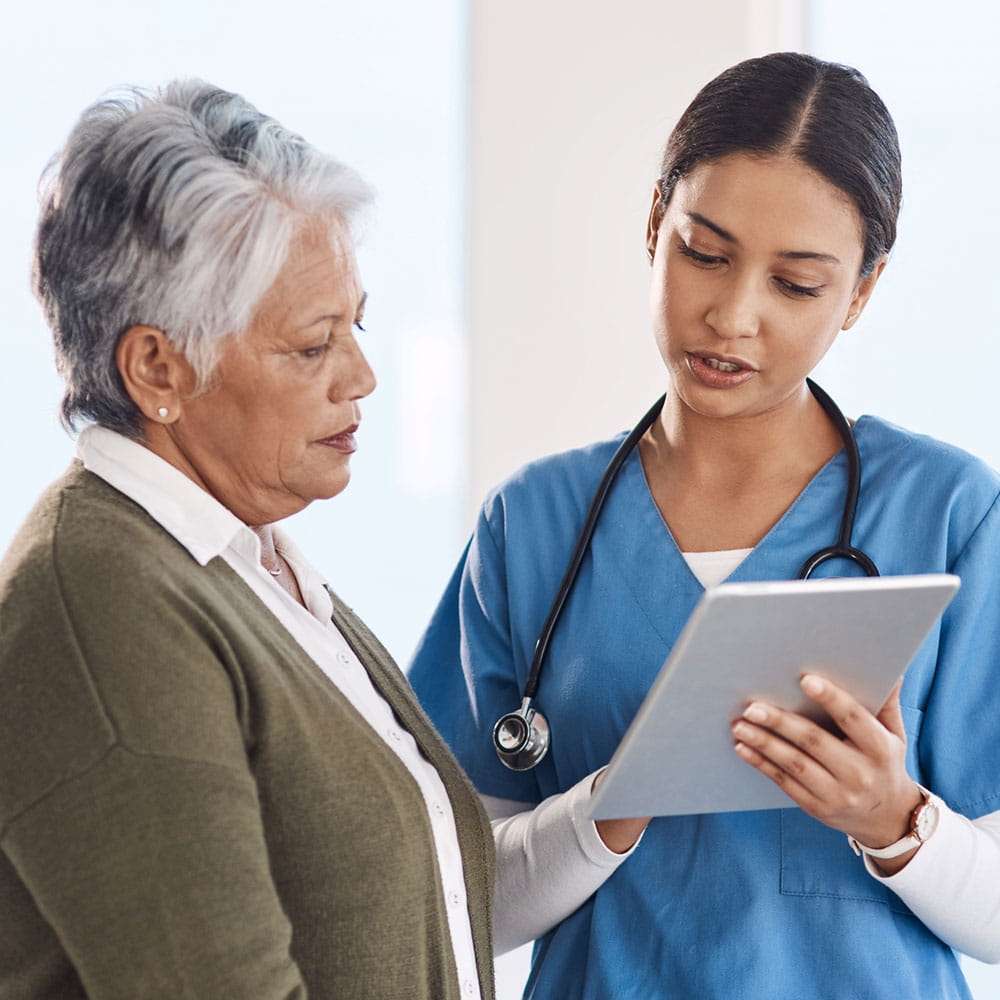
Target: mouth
x,y
719,371
721,366
344,441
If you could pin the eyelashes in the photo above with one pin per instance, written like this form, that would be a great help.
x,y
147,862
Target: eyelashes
x,y
699,258
311,353
803,290
788,287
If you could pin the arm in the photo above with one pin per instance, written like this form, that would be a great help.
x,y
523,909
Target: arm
x,y
946,883
550,860
129,813
153,873
860,786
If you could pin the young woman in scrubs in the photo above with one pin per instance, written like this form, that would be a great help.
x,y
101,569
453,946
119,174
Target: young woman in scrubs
x,y
769,229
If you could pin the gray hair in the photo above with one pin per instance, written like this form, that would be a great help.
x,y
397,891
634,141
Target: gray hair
x,y
176,209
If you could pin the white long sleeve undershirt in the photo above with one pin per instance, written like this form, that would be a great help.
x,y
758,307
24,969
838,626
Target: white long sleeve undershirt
x,y
550,859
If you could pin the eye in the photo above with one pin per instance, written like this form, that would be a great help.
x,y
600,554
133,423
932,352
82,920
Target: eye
x,y
317,351
704,259
799,291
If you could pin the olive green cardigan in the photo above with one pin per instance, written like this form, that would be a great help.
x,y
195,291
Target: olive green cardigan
x,y
188,807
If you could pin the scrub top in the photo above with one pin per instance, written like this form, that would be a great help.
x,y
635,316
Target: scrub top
x,y
729,905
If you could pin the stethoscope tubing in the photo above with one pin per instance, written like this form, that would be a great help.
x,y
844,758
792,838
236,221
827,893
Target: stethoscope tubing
x,y
532,729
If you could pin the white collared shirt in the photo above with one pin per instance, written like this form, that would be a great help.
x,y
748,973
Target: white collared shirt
x,y
207,529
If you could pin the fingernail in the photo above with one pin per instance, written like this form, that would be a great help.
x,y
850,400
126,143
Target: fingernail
x,y
811,684
755,713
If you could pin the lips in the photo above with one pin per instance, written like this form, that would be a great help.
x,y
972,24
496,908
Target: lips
x,y
719,371
344,442
722,362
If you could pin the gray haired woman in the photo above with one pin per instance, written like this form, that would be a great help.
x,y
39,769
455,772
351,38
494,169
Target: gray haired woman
x,y
214,782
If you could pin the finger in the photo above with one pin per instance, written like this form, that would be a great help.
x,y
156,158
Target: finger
x,y
890,714
798,734
858,724
792,744
787,782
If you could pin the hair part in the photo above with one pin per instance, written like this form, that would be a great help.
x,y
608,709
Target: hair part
x,y
821,113
173,208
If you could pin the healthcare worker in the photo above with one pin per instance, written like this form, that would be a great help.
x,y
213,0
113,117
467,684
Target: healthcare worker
x,y
770,226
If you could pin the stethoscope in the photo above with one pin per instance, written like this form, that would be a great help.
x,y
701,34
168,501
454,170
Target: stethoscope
x,y
522,737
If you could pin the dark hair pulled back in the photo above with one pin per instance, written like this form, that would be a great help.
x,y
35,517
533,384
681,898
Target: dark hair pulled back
x,y
821,113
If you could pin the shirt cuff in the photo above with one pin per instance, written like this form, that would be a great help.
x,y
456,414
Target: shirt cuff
x,y
948,837
577,801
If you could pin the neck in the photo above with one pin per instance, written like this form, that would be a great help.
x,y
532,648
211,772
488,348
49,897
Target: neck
x,y
722,482
794,435
269,557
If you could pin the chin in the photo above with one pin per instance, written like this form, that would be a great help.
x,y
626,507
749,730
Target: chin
x,y
330,488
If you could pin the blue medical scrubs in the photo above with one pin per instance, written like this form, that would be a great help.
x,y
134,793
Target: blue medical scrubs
x,y
731,905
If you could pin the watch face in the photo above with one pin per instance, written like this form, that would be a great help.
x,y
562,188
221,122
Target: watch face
x,y
925,821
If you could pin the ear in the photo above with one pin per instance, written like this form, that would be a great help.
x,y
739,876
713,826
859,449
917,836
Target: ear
x,y
653,222
864,292
156,375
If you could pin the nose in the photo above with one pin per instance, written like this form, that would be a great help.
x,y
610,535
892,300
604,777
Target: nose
x,y
354,378
735,311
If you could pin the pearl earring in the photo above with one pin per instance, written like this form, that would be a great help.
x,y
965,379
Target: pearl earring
x,y
163,412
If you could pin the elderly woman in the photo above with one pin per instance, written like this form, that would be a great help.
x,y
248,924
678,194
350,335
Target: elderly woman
x,y
214,782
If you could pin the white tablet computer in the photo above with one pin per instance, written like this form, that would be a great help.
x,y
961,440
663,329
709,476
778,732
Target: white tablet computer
x,y
747,641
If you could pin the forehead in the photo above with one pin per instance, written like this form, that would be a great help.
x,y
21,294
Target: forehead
x,y
320,272
776,202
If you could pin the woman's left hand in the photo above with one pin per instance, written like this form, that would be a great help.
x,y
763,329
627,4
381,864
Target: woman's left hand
x,y
858,784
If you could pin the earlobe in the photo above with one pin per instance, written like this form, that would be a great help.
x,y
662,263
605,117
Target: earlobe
x,y
863,293
153,371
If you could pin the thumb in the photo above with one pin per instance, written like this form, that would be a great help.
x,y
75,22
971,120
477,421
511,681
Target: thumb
x,y
890,714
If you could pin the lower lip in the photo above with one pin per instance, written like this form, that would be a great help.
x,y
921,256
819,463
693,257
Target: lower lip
x,y
344,443
715,378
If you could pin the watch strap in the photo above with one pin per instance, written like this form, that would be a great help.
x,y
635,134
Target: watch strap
x,y
907,843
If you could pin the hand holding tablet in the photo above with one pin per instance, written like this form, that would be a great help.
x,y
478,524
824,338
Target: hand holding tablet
x,y
753,642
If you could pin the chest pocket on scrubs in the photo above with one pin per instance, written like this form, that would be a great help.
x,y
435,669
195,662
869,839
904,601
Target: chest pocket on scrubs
x,y
817,861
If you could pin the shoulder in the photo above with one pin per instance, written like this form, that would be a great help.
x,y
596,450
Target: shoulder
x,y
925,469
555,486
81,524
113,636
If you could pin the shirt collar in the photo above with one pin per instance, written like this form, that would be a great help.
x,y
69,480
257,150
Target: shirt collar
x,y
195,518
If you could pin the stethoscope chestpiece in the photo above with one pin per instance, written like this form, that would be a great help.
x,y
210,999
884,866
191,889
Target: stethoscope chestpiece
x,y
521,738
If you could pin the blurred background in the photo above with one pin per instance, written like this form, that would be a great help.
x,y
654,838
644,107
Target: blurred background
x,y
513,146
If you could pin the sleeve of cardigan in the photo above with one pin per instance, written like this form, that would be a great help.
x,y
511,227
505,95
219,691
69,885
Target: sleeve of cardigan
x,y
128,807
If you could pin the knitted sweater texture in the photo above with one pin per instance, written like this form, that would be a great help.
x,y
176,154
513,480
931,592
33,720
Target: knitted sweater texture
x,y
189,808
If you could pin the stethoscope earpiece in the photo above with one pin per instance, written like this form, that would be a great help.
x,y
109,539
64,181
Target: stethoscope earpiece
x,y
521,738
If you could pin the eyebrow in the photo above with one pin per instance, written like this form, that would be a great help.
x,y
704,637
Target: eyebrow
x,y
785,254
338,317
